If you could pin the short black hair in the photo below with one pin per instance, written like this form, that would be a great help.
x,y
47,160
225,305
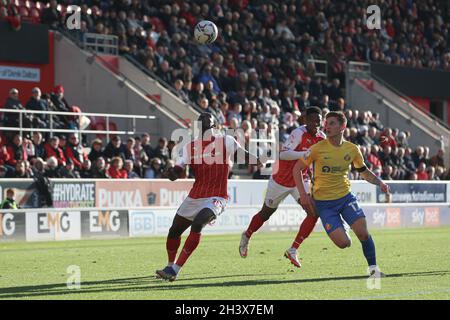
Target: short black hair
x,y
312,110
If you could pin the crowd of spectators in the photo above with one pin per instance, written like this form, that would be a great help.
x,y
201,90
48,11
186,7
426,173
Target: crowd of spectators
x,y
259,74
386,151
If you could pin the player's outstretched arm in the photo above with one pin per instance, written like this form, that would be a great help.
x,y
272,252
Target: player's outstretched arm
x,y
292,155
370,177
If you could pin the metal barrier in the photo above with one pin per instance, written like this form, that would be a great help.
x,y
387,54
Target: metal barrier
x,y
321,71
100,43
80,115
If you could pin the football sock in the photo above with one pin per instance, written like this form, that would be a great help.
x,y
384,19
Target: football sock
x,y
368,247
305,230
191,243
172,245
176,268
255,224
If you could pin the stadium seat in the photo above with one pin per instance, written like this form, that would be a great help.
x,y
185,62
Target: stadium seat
x,y
23,11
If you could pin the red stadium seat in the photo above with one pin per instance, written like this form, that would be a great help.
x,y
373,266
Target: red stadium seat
x,y
35,14
21,3
23,11
159,25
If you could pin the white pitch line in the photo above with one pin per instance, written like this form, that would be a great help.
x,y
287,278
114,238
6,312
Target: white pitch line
x,y
399,295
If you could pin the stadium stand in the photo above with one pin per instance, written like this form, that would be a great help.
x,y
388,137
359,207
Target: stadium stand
x,y
260,73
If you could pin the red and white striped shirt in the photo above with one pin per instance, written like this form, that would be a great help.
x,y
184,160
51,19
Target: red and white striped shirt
x,y
299,140
211,161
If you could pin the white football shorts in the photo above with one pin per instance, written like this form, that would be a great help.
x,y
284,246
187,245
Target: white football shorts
x,y
277,193
191,207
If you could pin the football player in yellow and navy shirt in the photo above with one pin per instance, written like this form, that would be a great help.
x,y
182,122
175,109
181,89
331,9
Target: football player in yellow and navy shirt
x,y
330,195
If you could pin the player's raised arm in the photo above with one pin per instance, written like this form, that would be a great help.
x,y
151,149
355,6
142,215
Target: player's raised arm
x,y
288,150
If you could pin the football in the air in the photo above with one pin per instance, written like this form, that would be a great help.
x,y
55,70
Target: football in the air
x,y
205,32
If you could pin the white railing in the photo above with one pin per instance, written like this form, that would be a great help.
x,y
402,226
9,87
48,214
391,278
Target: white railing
x,y
101,44
80,116
321,67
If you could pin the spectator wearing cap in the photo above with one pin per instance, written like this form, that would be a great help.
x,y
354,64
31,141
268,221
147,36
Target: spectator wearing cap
x,y
16,151
38,104
116,170
115,148
58,99
52,149
96,150
74,151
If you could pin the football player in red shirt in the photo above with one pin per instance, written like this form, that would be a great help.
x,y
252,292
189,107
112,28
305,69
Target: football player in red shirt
x,y
282,184
210,159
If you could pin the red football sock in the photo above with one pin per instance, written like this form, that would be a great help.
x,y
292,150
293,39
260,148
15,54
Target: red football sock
x,y
191,243
305,230
255,224
172,245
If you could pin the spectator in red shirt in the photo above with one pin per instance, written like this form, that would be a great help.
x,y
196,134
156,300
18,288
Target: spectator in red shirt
x,y
373,157
421,172
115,171
387,139
16,151
52,149
75,152
4,156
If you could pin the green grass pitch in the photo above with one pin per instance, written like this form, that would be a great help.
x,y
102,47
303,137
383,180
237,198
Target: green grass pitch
x,y
416,261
